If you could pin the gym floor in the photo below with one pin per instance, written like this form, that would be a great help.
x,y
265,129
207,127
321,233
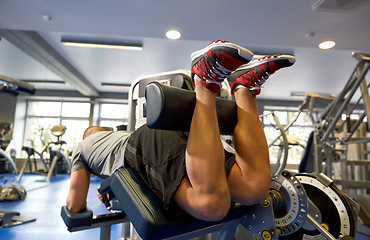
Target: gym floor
x,y
44,201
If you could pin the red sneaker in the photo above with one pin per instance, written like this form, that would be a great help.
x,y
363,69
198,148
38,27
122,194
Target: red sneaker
x,y
214,63
255,73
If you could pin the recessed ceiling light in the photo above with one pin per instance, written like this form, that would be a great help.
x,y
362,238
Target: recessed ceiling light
x,y
327,44
173,34
46,18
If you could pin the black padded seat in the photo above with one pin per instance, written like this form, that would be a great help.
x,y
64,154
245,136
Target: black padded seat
x,y
147,213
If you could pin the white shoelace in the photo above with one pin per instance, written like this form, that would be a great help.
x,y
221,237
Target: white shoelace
x,y
219,70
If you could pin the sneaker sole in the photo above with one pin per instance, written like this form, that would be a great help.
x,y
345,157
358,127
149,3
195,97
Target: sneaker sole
x,y
254,64
242,52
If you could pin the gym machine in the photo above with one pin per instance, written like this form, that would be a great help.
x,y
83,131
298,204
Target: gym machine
x,y
10,218
31,152
7,155
57,162
302,206
334,137
12,87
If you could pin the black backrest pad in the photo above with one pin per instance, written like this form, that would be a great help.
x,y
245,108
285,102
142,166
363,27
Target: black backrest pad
x,y
171,108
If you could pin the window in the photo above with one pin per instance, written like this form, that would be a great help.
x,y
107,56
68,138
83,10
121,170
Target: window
x,y
113,115
298,133
43,115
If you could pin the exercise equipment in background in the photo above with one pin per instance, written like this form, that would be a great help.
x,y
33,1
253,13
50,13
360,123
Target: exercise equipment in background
x,y
56,160
7,155
33,157
11,218
340,144
13,87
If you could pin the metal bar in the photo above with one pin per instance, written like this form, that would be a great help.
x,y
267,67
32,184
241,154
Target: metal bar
x,y
51,169
283,129
320,228
318,154
285,146
355,127
105,232
10,160
107,222
353,183
359,162
365,94
131,121
203,231
345,104
125,231
23,169
361,56
329,160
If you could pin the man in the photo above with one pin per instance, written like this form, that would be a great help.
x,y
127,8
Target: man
x,y
193,172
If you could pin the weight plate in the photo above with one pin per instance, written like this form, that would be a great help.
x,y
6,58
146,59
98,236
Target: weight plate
x,y
336,212
290,203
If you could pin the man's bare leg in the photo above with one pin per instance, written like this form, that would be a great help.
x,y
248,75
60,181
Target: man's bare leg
x,y
249,179
204,194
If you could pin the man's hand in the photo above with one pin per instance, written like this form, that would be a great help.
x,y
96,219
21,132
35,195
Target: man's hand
x,y
100,196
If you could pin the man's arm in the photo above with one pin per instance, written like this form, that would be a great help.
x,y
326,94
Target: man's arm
x,y
79,186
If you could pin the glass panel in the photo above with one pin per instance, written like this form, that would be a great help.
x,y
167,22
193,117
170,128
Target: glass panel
x,y
295,154
50,109
38,132
303,119
73,109
74,132
300,133
281,115
297,136
118,111
271,134
111,123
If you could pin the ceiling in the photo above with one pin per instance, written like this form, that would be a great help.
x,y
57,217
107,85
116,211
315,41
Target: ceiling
x,y
261,26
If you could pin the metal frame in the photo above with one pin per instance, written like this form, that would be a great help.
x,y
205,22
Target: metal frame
x,y
325,126
10,160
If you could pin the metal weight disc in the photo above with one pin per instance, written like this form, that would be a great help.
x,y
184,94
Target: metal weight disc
x,y
336,212
290,203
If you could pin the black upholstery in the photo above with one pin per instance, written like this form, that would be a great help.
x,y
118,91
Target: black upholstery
x,y
71,219
146,211
171,108
307,162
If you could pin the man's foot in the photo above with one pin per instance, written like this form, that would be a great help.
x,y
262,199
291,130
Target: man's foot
x,y
213,63
255,73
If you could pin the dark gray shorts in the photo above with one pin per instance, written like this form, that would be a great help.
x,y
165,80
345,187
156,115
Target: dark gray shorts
x,y
159,157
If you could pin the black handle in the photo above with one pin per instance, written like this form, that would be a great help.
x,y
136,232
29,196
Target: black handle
x,y
105,200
